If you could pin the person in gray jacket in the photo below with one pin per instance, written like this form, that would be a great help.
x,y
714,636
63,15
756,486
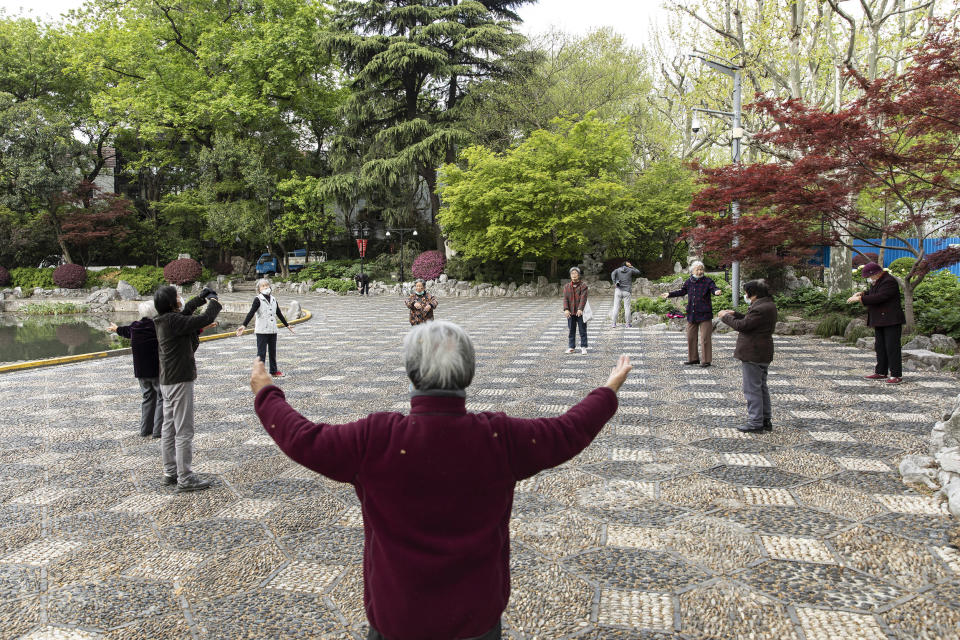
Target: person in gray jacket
x,y
622,286
178,336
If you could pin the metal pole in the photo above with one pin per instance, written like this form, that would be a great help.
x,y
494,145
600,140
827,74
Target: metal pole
x,y
735,205
401,258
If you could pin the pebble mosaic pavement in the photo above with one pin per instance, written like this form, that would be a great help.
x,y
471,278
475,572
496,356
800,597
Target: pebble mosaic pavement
x,y
672,524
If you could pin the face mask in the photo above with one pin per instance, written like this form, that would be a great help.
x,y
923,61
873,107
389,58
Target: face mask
x,y
266,291
695,276
420,293
746,298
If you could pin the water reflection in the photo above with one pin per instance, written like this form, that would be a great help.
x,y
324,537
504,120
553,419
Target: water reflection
x,y
39,337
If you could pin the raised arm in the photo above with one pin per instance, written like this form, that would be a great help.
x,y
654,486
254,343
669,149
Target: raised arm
x,y
186,323
334,450
253,310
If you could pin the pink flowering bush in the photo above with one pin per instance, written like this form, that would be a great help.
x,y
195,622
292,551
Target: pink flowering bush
x,y
429,265
182,271
70,276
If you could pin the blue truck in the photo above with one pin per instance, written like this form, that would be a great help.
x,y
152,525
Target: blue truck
x,y
269,264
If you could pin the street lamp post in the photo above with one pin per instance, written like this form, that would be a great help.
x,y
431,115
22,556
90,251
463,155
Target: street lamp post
x,y
401,230
736,133
361,231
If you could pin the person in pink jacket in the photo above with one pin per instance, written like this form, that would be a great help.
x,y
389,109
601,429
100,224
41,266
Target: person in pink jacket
x,y
436,485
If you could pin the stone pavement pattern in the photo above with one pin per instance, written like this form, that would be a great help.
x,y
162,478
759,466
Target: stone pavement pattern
x,y
672,524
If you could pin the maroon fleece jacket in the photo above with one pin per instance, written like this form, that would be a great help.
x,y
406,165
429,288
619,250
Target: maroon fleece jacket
x,y
436,490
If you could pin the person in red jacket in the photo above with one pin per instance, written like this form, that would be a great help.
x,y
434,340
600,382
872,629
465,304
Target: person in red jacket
x,y
885,315
435,486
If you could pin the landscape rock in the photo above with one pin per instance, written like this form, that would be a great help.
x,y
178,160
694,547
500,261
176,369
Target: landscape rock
x,y
865,343
918,342
943,343
853,324
949,459
126,291
102,296
443,277
919,470
294,311
952,493
926,357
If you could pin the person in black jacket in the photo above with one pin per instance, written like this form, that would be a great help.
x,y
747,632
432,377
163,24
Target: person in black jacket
x,y
363,283
885,315
146,366
178,338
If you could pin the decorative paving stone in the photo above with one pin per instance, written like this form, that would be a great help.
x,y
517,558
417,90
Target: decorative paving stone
x,y
100,559
745,459
167,565
820,585
837,500
924,617
698,491
232,572
60,633
817,624
762,496
216,534
636,609
799,549
928,529
913,504
44,495
951,556
888,557
863,464
634,569
305,577
755,476
41,552
248,509
557,535
18,582
19,616
732,445
98,524
805,463
726,609
535,612
110,603
327,545
783,520
269,614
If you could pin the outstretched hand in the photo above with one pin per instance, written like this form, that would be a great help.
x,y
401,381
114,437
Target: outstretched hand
x,y
619,373
112,328
259,378
240,330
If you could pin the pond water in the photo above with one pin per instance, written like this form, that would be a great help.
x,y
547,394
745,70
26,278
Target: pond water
x,y
39,337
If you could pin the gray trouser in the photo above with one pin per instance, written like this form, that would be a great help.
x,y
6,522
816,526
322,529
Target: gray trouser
x,y
618,295
756,393
177,439
151,408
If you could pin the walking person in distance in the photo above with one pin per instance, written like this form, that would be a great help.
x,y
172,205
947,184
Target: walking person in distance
x,y
267,312
622,287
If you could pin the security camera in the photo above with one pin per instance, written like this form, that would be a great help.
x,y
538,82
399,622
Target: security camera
x,y
695,125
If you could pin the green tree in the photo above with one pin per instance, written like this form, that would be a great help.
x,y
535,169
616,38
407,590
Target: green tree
x,y
552,196
411,63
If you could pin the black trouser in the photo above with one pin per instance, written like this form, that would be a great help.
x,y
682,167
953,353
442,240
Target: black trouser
x,y
364,288
268,341
493,634
573,322
886,341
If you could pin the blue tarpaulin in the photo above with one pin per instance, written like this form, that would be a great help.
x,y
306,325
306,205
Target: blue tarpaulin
x,y
892,252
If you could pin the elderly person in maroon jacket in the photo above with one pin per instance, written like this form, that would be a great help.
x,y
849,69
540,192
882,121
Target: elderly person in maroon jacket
x,y
754,350
146,367
436,486
885,315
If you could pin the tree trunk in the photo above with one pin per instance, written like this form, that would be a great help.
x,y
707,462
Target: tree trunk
x,y
839,277
60,241
908,287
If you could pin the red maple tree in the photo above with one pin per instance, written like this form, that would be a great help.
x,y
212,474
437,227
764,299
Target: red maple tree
x,y
898,144
88,214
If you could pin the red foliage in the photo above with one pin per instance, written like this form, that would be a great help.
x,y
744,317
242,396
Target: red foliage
x,y
89,214
70,276
899,140
182,271
859,261
4,276
428,265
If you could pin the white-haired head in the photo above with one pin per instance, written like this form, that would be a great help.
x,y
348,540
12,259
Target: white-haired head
x,y
147,309
261,283
695,264
439,355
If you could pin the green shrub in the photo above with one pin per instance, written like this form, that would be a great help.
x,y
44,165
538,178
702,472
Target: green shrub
x,y
51,308
334,284
901,266
859,332
833,324
321,270
29,278
643,304
814,302
936,304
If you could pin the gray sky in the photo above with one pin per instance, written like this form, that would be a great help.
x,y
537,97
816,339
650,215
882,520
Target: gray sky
x,y
630,18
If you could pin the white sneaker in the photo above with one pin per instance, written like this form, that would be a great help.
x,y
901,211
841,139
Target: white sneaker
x,y
583,350
570,350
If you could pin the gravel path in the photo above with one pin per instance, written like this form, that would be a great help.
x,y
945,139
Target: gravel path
x,y
672,524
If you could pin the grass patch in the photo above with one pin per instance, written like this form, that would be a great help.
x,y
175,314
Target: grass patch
x,y
859,332
833,324
52,308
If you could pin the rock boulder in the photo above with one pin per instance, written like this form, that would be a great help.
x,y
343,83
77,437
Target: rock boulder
x,y
126,291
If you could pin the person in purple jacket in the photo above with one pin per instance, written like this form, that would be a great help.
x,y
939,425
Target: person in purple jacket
x,y
436,485
146,366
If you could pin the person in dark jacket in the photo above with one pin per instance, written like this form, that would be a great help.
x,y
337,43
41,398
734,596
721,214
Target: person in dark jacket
x,y
267,311
142,335
363,283
178,337
622,279
435,486
885,315
698,288
754,350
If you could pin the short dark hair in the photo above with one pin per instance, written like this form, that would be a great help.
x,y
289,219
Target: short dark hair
x,y
756,288
165,299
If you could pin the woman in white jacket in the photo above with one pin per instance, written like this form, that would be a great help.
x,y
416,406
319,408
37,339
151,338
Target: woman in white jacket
x,y
267,312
